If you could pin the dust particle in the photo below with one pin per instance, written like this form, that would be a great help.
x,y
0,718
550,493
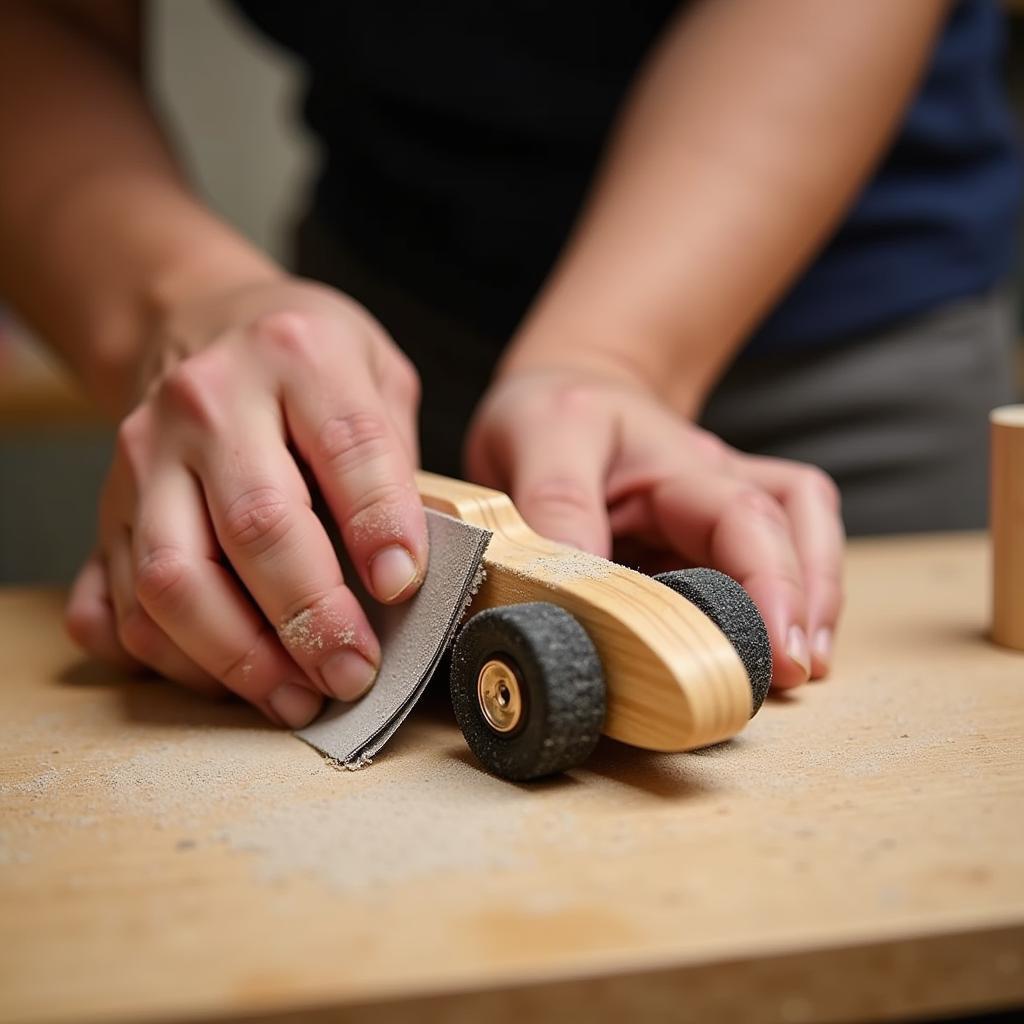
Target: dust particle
x,y
564,567
310,632
298,632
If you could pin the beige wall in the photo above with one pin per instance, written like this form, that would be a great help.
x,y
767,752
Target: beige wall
x,y
231,99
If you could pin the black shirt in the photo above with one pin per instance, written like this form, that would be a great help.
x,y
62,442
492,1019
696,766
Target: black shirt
x,y
460,137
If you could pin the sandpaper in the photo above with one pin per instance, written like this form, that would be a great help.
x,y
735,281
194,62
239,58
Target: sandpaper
x,y
413,636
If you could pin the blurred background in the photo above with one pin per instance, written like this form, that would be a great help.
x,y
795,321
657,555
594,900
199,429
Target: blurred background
x,y
53,448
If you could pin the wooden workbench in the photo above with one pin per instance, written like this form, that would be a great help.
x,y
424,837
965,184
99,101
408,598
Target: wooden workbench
x,y
857,854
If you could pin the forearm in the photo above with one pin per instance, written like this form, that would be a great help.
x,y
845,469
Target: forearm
x,y
99,234
747,135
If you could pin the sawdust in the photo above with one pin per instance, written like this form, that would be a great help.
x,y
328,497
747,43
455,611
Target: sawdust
x,y
426,812
175,782
864,779
310,631
298,633
284,810
474,588
41,783
565,567
377,523
479,579
358,833
402,829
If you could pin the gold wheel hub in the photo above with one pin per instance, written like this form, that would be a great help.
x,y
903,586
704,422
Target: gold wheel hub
x,y
500,695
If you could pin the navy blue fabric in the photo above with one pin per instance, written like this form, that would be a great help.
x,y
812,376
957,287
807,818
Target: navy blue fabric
x,y
459,138
937,222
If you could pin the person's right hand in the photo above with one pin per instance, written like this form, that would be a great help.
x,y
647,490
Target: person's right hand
x,y
211,566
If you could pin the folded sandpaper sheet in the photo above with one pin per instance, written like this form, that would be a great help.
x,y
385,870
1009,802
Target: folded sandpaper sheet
x,y
413,636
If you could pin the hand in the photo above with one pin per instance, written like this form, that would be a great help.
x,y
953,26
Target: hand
x,y
212,567
604,466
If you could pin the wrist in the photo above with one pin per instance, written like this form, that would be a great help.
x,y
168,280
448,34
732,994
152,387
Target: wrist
x,y
158,308
653,367
193,297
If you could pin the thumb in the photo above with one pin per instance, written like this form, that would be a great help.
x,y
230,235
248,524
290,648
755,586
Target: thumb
x,y
554,467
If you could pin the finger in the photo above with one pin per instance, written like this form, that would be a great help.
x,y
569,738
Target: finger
x,y
260,510
554,466
201,608
346,435
740,529
139,635
404,423
400,388
89,616
812,503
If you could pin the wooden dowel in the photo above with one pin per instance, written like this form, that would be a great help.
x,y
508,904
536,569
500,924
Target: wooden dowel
x,y
1007,525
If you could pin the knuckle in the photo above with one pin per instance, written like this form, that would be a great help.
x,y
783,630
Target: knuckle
x,y
559,492
376,513
830,572
574,400
828,584
345,442
236,672
194,389
713,448
754,501
291,334
313,623
822,486
257,520
163,579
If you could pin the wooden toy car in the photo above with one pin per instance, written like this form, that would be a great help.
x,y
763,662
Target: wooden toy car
x,y
559,646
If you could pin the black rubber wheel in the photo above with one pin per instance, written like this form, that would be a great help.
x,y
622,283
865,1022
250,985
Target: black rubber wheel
x,y
535,672
731,609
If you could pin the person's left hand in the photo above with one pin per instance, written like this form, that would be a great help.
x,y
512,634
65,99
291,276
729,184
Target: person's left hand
x,y
606,467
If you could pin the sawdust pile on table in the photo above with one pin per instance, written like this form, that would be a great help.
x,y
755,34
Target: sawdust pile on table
x,y
423,809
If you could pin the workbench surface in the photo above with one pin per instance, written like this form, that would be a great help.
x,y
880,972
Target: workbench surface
x,y
857,854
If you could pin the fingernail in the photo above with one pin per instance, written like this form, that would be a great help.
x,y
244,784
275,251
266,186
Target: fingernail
x,y
823,645
796,648
348,674
295,705
391,571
